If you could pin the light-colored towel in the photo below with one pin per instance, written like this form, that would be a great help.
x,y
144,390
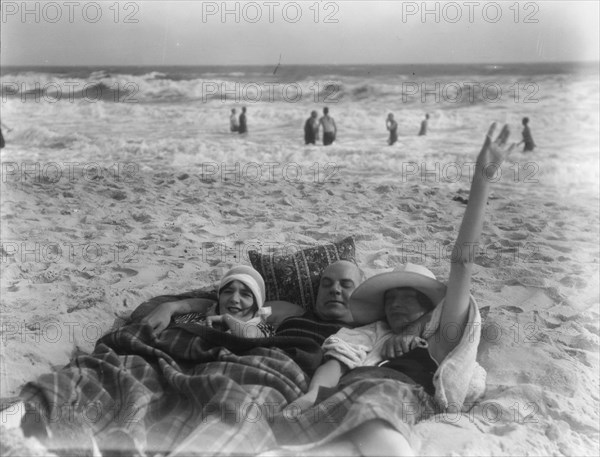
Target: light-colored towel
x,y
358,347
459,380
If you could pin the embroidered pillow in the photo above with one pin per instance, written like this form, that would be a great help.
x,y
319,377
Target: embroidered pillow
x,y
295,277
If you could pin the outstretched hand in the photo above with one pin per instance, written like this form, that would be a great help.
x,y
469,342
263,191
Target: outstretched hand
x,y
497,148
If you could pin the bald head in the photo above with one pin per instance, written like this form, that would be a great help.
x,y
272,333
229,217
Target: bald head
x,y
338,281
344,267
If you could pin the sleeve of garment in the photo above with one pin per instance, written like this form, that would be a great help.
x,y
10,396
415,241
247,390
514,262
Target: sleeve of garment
x,y
351,346
264,327
194,318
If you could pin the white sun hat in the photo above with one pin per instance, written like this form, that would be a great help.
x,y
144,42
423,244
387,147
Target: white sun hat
x,y
366,302
250,278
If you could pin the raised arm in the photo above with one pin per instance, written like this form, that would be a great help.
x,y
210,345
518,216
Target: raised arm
x,y
456,306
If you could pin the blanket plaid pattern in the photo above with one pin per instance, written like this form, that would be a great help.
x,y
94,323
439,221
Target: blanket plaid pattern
x,y
142,394
361,396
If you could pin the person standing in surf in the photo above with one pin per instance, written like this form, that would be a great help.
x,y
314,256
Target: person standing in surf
x,y
243,128
329,127
527,138
423,130
234,126
392,126
2,142
311,128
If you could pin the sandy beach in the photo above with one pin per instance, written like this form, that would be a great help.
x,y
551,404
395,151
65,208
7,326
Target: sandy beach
x,y
105,205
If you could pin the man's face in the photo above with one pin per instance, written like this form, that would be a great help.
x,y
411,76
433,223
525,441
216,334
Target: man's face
x,y
338,281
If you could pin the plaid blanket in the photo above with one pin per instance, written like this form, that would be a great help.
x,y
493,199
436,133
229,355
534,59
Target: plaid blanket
x,y
139,393
364,394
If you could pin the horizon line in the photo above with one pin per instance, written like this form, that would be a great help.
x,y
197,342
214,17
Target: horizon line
x,y
4,65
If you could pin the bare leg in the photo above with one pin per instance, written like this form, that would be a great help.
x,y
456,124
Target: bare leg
x,y
377,438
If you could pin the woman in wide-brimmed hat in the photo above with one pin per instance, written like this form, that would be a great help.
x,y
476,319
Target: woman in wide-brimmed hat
x,y
405,298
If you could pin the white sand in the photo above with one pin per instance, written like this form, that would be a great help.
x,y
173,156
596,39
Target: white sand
x,y
536,283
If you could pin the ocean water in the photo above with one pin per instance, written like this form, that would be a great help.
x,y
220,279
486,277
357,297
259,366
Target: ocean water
x,y
180,116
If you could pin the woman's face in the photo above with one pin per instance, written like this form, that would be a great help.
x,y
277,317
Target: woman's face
x,y
402,307
236,299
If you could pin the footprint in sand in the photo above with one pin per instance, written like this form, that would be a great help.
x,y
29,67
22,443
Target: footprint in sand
x,y
518,236
192,200
63,229
439,228
512,309
126,271
408,207
573,281
502,430
384,189
564,249
533,228
118,195
123,273
82,274
142,217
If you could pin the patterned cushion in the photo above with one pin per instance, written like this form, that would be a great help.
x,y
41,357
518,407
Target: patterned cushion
x,y
295,277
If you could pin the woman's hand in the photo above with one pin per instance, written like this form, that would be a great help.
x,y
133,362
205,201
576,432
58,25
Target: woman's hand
x,y
497,149
238,327
401,344
304,402
160,317
218,319
456,304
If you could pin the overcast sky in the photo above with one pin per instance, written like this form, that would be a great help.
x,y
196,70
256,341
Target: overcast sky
x,y
303,32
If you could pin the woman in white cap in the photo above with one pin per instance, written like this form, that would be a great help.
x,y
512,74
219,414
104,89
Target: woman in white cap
x,y
405,297
239,310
